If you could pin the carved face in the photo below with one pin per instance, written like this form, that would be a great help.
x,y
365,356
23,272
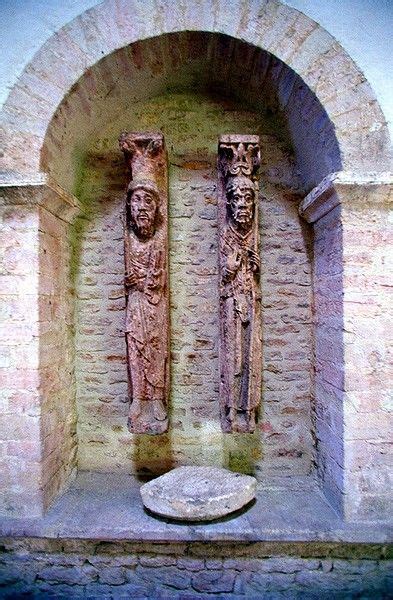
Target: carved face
x,y
143,211
241,201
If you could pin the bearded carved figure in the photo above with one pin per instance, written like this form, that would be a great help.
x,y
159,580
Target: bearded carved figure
x,y
240,299
147,310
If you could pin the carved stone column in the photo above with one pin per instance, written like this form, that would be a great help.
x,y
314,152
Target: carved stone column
x,y
146,281
239,266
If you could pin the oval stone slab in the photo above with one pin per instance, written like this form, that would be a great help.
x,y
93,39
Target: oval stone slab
x,y
198,493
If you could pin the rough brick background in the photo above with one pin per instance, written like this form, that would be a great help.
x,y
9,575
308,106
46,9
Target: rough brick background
x,y
76,569
283,443
368,343
20,446
287,34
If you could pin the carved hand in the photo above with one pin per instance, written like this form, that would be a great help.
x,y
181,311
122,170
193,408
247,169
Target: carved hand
x,y
233,261
132,278
255,261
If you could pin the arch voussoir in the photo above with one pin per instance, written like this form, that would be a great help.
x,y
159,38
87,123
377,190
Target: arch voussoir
x,y
284,32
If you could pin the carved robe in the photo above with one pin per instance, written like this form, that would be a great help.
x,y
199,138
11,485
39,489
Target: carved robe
x,y
146,266
145,318
240,303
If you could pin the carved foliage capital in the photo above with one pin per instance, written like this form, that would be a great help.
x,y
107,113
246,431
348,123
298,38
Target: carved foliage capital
x,y
148,145
239,156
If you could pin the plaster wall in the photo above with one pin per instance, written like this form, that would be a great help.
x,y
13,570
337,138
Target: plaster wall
x,y
362,27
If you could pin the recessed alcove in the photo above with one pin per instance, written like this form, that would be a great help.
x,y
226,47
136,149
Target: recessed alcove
x,y
191,86
191,123
74,522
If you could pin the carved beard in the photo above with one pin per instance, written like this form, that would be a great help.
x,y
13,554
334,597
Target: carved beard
x,y
243,218
240,192
243,221
143,228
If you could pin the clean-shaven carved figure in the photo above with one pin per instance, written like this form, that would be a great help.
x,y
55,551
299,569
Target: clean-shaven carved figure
x,y
147,317
240,299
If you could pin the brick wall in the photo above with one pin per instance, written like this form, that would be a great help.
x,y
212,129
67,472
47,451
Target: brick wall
x,y
283,444
57,377
77,569
20,446
38,420
368,409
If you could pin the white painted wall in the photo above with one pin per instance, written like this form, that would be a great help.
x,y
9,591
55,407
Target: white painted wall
x,y
363,28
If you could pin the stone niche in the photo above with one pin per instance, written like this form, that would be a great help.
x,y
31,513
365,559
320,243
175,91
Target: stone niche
x,y
167,84
192,122
193,87
192,113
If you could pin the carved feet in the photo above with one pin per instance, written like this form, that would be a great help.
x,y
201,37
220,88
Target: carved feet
x,y
147,416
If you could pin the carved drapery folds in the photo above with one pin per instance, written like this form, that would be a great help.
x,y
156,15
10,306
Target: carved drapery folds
x,y
240,299
146,281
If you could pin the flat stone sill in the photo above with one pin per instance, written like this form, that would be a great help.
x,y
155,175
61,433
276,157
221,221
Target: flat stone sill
x,y
102,506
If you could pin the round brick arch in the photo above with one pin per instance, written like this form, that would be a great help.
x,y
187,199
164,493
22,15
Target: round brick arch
x,y
328,75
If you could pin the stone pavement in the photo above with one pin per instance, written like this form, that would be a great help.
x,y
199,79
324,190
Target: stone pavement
x,y
109,507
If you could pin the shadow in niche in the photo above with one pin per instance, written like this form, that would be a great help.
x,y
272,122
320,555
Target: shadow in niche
x,y
329,357
233,515
241,451
152,455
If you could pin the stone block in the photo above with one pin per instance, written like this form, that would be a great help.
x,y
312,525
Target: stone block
x,y
69,575
191,564
163,576
112,575
213,581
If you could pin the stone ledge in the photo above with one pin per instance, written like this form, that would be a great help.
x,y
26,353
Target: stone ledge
x,y
38,190
325,196
102,506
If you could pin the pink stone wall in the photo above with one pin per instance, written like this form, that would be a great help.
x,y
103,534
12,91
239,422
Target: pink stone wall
x,y
352,410
20,445
56,356
38,416
283,444
368,409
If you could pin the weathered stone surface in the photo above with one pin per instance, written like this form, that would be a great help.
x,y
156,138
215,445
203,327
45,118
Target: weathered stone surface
x,y
147,301
34,574
239,282
198,493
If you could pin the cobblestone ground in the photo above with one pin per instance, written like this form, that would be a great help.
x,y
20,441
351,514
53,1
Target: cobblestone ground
x,y
27,574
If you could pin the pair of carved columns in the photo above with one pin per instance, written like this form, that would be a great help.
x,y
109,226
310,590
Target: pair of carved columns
x,y
146,282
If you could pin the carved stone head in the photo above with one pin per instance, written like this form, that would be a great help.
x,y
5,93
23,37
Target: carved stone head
x,y
143,201
241,193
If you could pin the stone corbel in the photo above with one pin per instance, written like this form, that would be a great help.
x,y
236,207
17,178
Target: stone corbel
x,y
38,190
330,192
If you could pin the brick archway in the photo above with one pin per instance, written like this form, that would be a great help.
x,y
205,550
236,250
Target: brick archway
x,y
54,89
296,40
